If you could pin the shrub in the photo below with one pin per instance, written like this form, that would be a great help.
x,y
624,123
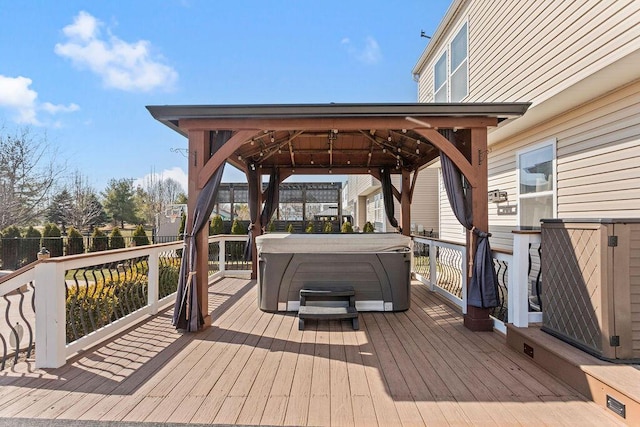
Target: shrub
x,y
271,227
75,242
11,239
309,228
346,227
238,228
216,226
140,237
116,241
99,241
290,228
31,245
52,240
169,273
328,227
368,228
89,308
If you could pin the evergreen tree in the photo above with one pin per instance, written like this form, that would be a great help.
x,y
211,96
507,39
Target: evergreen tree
x,y
216,226
238,228
290,228
99,241
140,237
328,227
52,240
368,228
75,242
309,228
59,211
116,241
11,239
346,227
119,201
31,244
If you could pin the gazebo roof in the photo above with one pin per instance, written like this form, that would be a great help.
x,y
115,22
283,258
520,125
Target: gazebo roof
x,y
337,138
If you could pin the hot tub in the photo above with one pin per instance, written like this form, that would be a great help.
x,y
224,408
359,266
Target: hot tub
x,y
376,265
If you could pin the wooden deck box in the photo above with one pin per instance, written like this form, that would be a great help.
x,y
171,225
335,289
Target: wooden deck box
x,y
591,285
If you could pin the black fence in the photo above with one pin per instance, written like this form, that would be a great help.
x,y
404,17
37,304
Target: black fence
x,y
20,251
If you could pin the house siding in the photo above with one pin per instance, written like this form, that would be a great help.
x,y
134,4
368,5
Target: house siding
x,y
539,51
598,150
532,50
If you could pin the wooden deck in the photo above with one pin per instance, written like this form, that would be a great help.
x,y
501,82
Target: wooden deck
x,y
419,367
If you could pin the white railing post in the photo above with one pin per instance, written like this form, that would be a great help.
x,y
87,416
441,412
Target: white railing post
x,y
50,315
222,256
154,280
518,288
433,267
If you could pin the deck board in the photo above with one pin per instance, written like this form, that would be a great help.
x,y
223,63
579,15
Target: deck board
x,y
419,367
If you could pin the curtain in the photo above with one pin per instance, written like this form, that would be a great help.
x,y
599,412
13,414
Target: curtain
x,y
186,313
270,205
387,195
483,289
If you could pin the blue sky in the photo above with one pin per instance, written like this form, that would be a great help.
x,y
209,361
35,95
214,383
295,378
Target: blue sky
x,y
82,72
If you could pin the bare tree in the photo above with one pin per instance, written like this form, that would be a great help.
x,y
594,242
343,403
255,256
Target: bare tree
x,y
27,174
86,211
155,195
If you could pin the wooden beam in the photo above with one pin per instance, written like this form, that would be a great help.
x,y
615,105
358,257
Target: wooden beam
x,y
444,145
198,145
340,123
413,185
477,319
405,202
220,156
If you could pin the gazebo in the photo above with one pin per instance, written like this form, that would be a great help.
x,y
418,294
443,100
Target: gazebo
x,y
307,139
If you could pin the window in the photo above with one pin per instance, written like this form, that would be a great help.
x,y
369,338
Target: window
x,y
451,72
536,184
440,79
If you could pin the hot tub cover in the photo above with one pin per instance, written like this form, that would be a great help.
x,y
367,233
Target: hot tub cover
x,y
333,243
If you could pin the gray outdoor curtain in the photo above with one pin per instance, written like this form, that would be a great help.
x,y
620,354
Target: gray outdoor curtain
x,y
186,313
270,204
483,289
387,195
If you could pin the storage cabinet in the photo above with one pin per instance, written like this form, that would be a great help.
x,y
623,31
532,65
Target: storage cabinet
x,y
591,285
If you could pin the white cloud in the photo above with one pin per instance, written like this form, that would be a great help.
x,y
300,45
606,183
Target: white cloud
x,y
370,53
121,65
54,109
17,97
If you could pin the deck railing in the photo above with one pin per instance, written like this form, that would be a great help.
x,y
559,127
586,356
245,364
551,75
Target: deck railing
x,y
17,308
62,305
442,266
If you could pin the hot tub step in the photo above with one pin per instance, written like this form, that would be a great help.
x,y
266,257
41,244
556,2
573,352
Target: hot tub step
x,y
324,312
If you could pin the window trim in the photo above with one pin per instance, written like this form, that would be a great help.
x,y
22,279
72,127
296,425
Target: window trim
x,y
553,142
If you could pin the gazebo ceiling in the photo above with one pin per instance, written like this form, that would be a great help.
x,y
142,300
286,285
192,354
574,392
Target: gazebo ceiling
x,y
338,138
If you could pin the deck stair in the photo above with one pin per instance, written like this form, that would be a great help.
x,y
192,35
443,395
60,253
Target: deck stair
x,y
319,311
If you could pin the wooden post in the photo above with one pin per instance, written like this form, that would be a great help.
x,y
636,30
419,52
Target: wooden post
x,y
198,153
477,319
405,202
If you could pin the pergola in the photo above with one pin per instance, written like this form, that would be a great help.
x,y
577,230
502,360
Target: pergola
x,y
341,139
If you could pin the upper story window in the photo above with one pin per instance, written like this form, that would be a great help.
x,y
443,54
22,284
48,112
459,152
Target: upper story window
x,y
536,183
451,71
